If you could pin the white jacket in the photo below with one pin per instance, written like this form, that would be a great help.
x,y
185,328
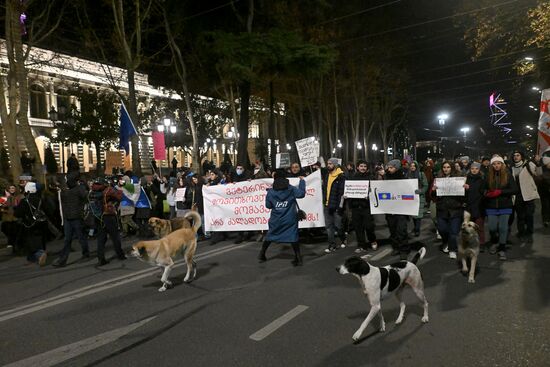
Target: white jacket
x,y
527,184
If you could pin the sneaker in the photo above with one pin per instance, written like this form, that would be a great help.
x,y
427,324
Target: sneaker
x,y
502,256
452,255
42,259
374,246
438,235
342,245
330,248
59,264
360,250
493,249
445,249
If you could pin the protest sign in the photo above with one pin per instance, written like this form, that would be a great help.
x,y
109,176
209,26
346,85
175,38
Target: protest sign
x,y
113,159
356,189
282,160
450,186
180,194
159,147
241,206
394,197
308,151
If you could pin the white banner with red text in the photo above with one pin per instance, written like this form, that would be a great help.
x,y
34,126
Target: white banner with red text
x,y
241,206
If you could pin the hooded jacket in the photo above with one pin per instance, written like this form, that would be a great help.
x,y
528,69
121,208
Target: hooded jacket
x,y
333,189
283,221
474,195
73,201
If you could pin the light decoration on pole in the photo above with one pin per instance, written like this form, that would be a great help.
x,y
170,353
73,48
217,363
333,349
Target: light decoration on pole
x,y
499,116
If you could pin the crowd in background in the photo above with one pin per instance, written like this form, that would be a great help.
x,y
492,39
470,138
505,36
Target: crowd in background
x,y
498,191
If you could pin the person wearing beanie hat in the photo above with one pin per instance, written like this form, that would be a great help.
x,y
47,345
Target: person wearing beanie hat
x,y
283,220
475,188
397,223
333,191
464,162
524,173
499,204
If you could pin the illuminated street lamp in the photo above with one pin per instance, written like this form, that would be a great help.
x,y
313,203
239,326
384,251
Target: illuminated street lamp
x,y
465,130
442,118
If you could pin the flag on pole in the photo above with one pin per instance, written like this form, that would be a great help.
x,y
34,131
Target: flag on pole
x,y
159,147
127,128
544,122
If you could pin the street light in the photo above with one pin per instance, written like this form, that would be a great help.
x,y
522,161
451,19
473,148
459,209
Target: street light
x,y
528,58
359,146
465,130
442,118
374,148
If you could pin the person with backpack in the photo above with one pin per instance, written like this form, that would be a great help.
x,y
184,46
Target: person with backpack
x,y
104,201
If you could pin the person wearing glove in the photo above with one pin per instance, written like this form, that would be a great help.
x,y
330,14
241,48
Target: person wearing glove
x,y
499,204
333,190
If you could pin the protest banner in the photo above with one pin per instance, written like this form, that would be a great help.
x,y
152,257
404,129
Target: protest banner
x,y
450,186
159,147
180,194
241,206
356,189
282,160
308,151
394,197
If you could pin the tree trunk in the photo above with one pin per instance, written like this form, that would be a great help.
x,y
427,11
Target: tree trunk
x,y
132,110
244,96
9,128
100,170
271,125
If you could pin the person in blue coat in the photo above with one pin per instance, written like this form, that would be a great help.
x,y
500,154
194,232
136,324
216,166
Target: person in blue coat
x,y
283,221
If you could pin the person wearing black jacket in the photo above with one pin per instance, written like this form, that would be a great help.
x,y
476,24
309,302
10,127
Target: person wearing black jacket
x,y
73,200
499,203
397,223
296,170
475,190
333,191
241,175
361,217
449,212
72,164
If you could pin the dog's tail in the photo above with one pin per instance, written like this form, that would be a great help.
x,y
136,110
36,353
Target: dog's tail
x,y
196,219
419,255
467,216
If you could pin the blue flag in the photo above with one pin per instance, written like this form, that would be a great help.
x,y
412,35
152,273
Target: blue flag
x,y
127,129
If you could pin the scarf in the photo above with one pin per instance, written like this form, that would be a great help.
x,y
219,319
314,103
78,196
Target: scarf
x,y
516,168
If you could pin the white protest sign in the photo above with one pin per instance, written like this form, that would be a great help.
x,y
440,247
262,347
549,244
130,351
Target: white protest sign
x,y
308,151
282,160
450,186
241,206
180,194
394,197
356,189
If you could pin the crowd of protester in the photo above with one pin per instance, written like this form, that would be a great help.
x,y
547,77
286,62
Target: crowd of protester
x,y
498,191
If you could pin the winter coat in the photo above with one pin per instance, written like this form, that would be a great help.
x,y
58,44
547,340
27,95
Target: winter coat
x,y
447,206
504,200
359,203
104,200
474,195
336,190
283,221
528,190
422,189
34,233
73,201
73,165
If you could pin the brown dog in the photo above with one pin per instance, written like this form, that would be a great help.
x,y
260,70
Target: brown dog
x,y
160,252
163,227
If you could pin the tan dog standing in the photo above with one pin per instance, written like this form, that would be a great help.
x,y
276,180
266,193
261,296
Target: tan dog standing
x,y
163,227
468,246
160,252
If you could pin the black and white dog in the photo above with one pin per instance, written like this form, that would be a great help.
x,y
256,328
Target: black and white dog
x,y
377,283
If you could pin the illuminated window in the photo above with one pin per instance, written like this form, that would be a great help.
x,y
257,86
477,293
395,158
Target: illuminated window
x,y
38,102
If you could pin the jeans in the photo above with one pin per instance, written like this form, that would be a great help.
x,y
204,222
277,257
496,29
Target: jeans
x,y
448,229
35,256
397,225
333,224
498,228
73,227
481,224
417,224
108,227
525,213
363,222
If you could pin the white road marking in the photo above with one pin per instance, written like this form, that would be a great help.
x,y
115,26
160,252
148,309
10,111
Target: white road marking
x,y
101,286
381,254
66,352
270,328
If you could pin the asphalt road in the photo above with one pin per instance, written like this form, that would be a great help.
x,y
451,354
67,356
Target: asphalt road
x,y
241,313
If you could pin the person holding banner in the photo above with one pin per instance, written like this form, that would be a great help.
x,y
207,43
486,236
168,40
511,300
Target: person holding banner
x,y
501,188
283,220
397,223
416,173
449,212
333,191
361,217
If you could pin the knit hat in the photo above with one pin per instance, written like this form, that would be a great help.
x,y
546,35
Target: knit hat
x,y
394,163
497,158
475,165
464,158
334,161
280,173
